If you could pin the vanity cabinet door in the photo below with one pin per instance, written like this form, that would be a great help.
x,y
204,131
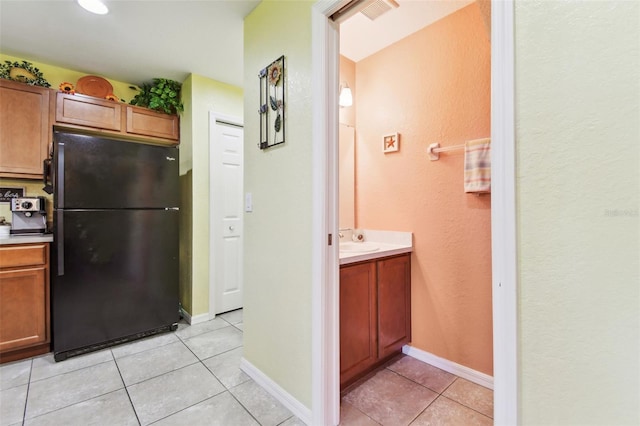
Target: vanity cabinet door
x,y
394,304
358,328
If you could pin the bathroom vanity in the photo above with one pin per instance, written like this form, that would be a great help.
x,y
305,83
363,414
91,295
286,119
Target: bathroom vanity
x,y
375,305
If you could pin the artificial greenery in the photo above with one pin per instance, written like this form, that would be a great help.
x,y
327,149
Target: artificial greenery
x,y
32,75
160,95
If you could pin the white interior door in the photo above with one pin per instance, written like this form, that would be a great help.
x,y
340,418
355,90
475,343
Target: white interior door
x,y
226,145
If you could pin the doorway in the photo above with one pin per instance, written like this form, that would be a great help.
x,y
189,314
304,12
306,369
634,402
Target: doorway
x,y
325,48
427,83
226,152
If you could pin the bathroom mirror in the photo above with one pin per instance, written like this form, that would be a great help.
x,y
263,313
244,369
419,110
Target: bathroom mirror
x,y
346,170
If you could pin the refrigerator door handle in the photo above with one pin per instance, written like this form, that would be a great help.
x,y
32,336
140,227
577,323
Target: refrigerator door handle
x,y
59,182
60,242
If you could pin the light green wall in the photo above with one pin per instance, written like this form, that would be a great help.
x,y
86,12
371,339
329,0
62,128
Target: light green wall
x,y
201,95
56,75
578,185
277,255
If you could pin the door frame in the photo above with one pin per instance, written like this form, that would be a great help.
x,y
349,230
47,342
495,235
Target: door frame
x,y
215,117
325,301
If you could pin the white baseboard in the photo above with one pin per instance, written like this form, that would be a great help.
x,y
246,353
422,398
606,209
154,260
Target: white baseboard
x,y
450,366
196,319
275,390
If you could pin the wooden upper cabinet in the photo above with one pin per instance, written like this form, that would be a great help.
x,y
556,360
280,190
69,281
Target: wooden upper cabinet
x,y
88,111
25,129
142,121
102,116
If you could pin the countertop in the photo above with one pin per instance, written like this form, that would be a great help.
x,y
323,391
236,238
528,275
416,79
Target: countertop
x,y
25,239
389,243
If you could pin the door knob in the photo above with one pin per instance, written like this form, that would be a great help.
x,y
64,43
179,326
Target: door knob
x,y
230,228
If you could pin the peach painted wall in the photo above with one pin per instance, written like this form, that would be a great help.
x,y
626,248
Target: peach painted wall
x,y
348,75
433,86
346,153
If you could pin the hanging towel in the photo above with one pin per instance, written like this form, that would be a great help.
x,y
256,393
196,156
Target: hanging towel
x,y
477,165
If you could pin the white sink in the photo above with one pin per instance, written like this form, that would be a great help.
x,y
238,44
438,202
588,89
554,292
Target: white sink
x,y
353,247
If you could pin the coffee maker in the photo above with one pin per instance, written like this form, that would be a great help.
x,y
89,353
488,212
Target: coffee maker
x,y
28,215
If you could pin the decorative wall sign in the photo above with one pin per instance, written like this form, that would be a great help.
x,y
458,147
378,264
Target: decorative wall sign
x,y
272,112
390,143
6,194
24,72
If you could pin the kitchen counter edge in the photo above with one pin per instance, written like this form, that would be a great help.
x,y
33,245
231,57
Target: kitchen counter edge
x,y
25,239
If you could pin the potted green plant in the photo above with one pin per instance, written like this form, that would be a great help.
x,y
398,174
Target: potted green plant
x,y
161,95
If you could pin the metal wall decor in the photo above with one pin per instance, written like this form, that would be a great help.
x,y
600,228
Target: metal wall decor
x,y
272,115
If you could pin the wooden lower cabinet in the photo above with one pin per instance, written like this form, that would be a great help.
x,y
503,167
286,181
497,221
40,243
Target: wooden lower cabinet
x,y
24,301
358,328
394,304
375,314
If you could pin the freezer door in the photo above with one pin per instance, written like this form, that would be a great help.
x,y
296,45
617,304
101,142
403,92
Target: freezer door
x,y
93,172
114,274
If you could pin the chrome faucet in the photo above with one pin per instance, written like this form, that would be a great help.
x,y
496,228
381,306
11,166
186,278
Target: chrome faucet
x,y
340,234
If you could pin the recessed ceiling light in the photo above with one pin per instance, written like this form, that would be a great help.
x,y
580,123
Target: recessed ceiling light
x,y
94,6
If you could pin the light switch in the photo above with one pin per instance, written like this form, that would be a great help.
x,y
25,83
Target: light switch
x,y
248,202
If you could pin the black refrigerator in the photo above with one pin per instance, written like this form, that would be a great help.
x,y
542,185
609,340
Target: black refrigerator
x,y
114,273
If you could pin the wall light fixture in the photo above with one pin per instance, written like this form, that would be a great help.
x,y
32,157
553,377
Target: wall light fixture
x,y
346,98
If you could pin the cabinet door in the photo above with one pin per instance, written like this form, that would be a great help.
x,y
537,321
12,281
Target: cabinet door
x,y
394,304
144,122
23,308
88,111
358,331
25,129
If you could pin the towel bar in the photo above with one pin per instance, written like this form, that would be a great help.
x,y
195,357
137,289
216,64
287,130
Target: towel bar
x,y
434,150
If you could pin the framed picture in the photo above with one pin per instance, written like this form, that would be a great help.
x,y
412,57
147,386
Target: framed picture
x,y
391,142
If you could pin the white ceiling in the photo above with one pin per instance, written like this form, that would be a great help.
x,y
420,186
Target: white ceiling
x,y
142,39
136,41
361,37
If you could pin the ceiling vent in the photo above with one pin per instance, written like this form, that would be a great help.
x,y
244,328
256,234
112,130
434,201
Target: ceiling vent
x,y
378,8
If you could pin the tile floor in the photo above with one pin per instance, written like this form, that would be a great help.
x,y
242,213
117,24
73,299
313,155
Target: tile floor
x,y
192,377
410,392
